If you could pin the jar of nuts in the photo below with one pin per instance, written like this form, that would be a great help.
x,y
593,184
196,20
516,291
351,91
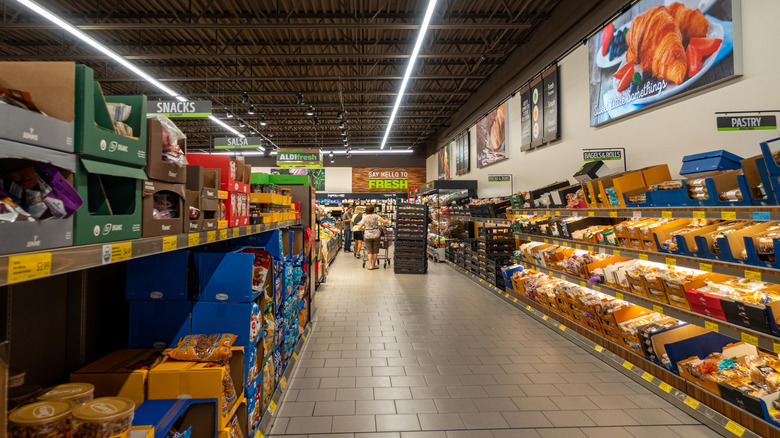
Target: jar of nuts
x,y
46,419
103,418
77,393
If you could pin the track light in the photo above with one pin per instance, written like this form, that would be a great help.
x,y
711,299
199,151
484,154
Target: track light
x,y
241,123
252,132
343,132
315,120
246,98
300,99
340,115
262,120
310,111
251,109
345,139
229,114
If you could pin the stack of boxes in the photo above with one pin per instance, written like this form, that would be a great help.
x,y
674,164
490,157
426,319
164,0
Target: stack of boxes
x,y
495,248
411,245
234,181
164,187
269,202
202,193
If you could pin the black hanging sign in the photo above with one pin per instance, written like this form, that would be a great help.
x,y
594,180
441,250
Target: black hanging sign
x,y
746,123
525,118
551,99
537,112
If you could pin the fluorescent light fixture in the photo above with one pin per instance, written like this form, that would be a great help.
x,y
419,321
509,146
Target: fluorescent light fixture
x,y
371,152
45,13
409,68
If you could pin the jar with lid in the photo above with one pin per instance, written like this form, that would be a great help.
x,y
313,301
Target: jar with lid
x,y
77,393
103,418
46,419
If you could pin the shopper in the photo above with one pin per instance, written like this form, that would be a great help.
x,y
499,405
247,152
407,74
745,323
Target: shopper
x,y
371,224
346,220
357,233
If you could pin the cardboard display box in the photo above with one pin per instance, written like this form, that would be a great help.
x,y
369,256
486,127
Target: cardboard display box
x,y
226,276
189,225
162,227
158,323
158,277
95,136
204,181
122,373
179,414
38,235
215,317
156,168
52,86
230,171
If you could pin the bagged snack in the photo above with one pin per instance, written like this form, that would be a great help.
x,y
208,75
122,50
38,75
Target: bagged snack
x,y
20,99
203,348
228,390
10,211
171,136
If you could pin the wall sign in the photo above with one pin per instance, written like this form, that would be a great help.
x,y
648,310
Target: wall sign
x,y
746,123
602,155
178,110
382,179
537,112
525,118
238,142
463,154
491,137
443,158
316,176
304,159
630,69
499,178
551,100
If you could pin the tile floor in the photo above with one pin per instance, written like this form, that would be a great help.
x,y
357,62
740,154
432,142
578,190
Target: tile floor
x,y
436,356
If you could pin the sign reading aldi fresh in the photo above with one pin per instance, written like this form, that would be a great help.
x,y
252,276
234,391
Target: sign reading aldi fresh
x,y
238,142
194,109
308,159
746,123
379,179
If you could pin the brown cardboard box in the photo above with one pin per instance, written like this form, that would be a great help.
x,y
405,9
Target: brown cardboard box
x,y
119,374
156,168
151,227
202,180
192,200
247,173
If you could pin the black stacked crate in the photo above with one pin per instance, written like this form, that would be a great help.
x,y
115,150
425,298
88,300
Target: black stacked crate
x,y
410,239
495,247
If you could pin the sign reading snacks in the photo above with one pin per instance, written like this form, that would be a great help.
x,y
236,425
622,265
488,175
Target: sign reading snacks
x,y
746,123
380,179
238,142
602,155
307,159
179,110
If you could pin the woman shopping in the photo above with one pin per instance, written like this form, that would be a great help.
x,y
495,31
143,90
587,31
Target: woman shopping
x,y
357,234
371,226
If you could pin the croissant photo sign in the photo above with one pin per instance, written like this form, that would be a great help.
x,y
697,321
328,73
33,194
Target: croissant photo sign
x,y
660,50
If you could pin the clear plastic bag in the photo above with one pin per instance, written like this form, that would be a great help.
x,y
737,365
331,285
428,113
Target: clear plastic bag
x,y
171,135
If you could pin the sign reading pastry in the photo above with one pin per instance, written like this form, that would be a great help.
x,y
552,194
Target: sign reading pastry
x,y
659,50
382,179
746,123
193,109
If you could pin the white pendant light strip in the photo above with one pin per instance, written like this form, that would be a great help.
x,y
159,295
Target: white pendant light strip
x,y
45,13
409,68
334,152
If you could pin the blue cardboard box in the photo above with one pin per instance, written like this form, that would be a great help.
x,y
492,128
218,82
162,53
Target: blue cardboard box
x,y
507,272
180,415
271,241
158,323
158,277
710,161
225,276
236,318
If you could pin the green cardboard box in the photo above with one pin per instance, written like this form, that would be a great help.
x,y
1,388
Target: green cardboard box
x,y
112,202
95,136
290,179
260,178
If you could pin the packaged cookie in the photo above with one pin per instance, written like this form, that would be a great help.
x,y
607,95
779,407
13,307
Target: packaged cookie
x,y
106,417
46,419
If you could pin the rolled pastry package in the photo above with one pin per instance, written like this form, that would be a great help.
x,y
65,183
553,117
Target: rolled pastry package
x,y
731,195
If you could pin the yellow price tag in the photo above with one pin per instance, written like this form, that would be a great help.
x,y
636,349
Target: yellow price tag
x,y
527,307
598,348
628,365
750,339
562,327
249,229
557,213
272,407
515,300
590,248
169,243
582,283
643,257
546,241
665,387
236,232
193,239
578,246
735,428
555,242
258,228
222,234
259,434
591,214
619,295
776,347
550,273
121,251
211,236
29,267
612,214
711,326
598,288
658,309
666,214
616,252
671,261
728,215
647,376
545,317
691,402
705,267
698,215
283,382
752,275
505,295
295,355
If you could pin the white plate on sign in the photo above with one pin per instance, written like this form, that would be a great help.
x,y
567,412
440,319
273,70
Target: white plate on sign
x,y
603,61
715,31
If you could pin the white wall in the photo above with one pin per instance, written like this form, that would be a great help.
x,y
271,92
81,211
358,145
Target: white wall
x,y
657,136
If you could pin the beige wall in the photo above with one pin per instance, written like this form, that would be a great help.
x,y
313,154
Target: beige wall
x,y
660,135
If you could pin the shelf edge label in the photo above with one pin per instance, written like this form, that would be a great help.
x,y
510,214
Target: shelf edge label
x,y
28,267
169,243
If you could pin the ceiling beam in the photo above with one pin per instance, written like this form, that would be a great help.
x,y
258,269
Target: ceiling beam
x,y
271,26
294,78
245,56
247,43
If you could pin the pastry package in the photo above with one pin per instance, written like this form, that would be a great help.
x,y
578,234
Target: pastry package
x,y
666,185
203,348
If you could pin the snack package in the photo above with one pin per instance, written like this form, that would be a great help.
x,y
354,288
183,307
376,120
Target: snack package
x,y
228,390
61,198
203,348
165,205
194,212
256,325
171,136
20,99
10,211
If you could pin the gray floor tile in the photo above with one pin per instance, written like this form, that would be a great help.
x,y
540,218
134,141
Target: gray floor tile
x,y
652,416
483,420
378,435
496,404
354,372
469,434
408,380
503,390
354,423
309,425
461,391
400,422
424,392
372,382
448,405
331,408
388,371
438,380
610,417
296,409
568,418
440,422
375,407
337,382
526,419
392,394
428,434
515,433
573,402
316,395
562,432
415,407
601,432
355,394
695,431
540,390
614,401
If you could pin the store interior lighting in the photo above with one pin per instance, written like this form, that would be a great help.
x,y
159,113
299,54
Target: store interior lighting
x,y
251,109
300,99
246,98
409,68
310,111
262,120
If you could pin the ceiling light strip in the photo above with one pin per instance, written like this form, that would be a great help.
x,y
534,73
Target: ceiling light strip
x,y
334,151
409,68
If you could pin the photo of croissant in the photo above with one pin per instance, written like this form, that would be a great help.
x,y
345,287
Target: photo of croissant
x,y
655,43
491,134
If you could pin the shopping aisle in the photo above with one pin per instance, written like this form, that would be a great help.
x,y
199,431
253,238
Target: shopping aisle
x,y
436,356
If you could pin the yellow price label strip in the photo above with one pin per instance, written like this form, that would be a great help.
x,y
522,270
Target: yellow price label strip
x,y
591,214
598,288
557,213
599,348
259,434
582,283
169,243
705,267
211,236
546,241
776,347
671,261
590,248
698,215
222,234
506,295
236,232
665,387
658,309
527,307
752,275
514,300
628,365
711,326
303,336
578,246
666,214
612,214
728,215
555,242
647,376
121,251
545,317
643,257
619,295
562,327
547,213
258,228
193,239
283,382
735,428
272,407
295,355
691,402
29,267
249,229
616,252
750,339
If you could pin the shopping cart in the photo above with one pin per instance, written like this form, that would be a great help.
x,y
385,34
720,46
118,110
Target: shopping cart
x,y
385,242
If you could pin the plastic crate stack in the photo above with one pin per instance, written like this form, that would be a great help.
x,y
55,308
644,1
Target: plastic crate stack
x,y
410,239
494,249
